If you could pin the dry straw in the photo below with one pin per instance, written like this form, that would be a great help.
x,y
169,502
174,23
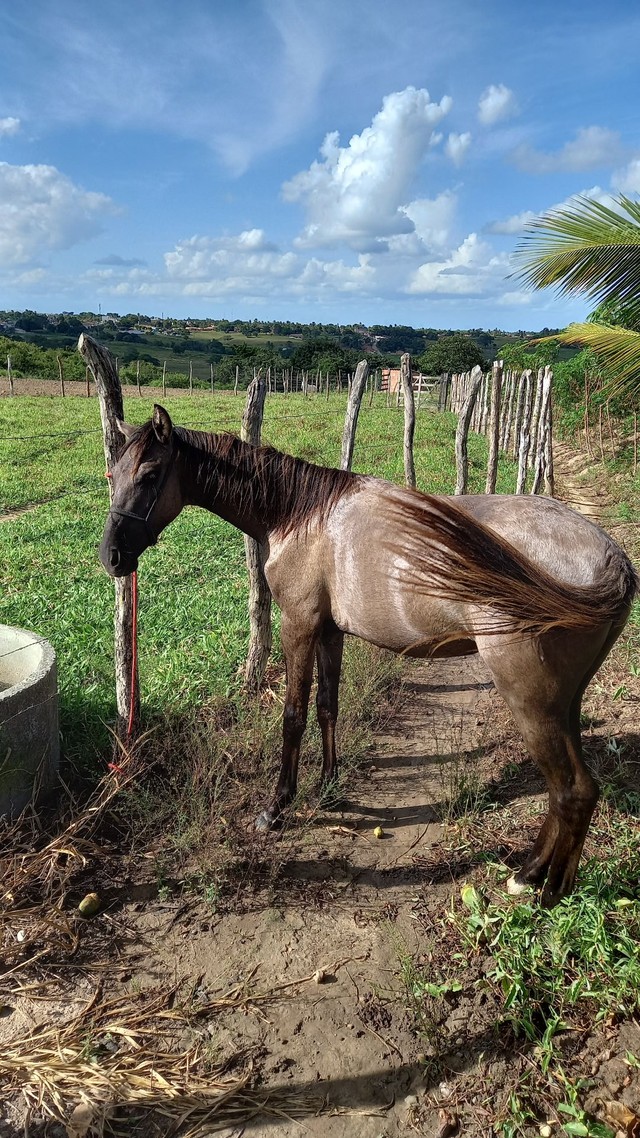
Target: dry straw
x,y
117,1053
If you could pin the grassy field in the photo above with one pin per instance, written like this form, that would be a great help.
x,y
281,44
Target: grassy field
x,y
193,621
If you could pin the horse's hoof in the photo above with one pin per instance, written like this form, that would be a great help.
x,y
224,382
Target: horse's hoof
x,y
264,822
516,888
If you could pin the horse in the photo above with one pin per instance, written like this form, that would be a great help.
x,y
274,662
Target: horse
x,y
539,591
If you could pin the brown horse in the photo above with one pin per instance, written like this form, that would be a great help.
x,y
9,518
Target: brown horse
x,y
540,592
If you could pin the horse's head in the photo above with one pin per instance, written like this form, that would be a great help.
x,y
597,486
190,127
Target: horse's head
x,y
146,493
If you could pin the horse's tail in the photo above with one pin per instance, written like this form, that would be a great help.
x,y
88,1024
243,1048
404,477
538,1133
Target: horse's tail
x,y
463,560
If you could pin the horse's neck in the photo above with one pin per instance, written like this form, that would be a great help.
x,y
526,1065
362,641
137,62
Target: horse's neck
x,y
220,477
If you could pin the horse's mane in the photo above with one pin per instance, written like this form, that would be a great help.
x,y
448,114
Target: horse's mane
x,y
286,492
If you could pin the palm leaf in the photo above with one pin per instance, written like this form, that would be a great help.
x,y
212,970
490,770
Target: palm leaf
x,y
617,349
588,248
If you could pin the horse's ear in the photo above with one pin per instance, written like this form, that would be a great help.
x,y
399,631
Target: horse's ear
x,y
126,429
162,424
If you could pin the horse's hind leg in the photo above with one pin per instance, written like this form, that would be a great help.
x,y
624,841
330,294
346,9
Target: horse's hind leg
x,y
542,682
329,660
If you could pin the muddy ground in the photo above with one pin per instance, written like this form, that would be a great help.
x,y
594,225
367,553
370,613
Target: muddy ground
x,y
346,921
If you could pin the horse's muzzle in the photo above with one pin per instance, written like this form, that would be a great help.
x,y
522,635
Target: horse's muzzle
x,y
117,562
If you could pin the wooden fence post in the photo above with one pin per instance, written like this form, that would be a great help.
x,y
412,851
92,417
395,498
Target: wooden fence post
x,y
164,378
525,433
60,374
138,376
409,420
87,379
111,409
259,594
462,431
522,387
356,391
494,427
10,375
544,447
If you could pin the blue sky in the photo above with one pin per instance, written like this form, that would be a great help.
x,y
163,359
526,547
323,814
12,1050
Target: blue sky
x,y
327,160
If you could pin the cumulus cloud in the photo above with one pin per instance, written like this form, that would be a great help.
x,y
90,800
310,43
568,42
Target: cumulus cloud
x,y
517,223
9,126
470,270
247,256
627,179
41,210
355,193
496,103
592,147
457,146
433,219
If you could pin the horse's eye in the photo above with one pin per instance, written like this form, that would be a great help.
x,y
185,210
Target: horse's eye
x,y
148,474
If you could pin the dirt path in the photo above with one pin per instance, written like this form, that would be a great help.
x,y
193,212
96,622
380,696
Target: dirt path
x,y
345,906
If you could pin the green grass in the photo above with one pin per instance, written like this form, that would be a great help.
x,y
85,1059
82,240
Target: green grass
x,y
546,978
193,622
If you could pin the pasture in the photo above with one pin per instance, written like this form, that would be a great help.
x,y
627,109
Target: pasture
x,y
193,623
447,1005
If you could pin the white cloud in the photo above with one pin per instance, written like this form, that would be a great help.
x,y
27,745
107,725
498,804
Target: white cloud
x,y
433,218
9,126
517,223
627,180
41,210
356,193
592,147
496,103
471,270
457,146
246,256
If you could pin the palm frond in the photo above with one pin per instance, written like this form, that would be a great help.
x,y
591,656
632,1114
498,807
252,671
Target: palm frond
x,y
586,248
617,349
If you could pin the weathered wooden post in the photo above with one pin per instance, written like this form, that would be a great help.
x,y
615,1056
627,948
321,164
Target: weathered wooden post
x,y
60,374
494,427
462,431
164,378
544,448
353,410
190,377
138,376
10,375
525,433
259,593
87,380
409,420
522,387
111,409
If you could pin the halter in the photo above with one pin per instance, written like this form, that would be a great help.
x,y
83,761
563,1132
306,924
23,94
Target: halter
x,y
144,519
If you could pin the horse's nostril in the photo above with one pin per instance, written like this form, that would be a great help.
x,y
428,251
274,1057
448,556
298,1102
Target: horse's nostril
x,y
114,557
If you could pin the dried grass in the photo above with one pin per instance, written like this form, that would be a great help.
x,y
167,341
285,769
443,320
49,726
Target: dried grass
x,y
117,1053
36,874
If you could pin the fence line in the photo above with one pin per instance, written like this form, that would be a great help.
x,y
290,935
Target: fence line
x,y
516,415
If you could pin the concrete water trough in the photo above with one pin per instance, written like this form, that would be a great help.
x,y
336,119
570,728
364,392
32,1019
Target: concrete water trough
x,y
29,740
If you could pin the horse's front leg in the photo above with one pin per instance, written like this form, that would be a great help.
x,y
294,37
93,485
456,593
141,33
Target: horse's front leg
x,y
329,658
298,644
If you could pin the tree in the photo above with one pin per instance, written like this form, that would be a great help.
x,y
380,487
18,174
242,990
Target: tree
x,y
454,353
592,249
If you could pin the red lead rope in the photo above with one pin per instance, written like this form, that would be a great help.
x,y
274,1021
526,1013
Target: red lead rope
x,y
134,652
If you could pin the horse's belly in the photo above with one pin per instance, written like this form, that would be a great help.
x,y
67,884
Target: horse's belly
x,y
379,610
